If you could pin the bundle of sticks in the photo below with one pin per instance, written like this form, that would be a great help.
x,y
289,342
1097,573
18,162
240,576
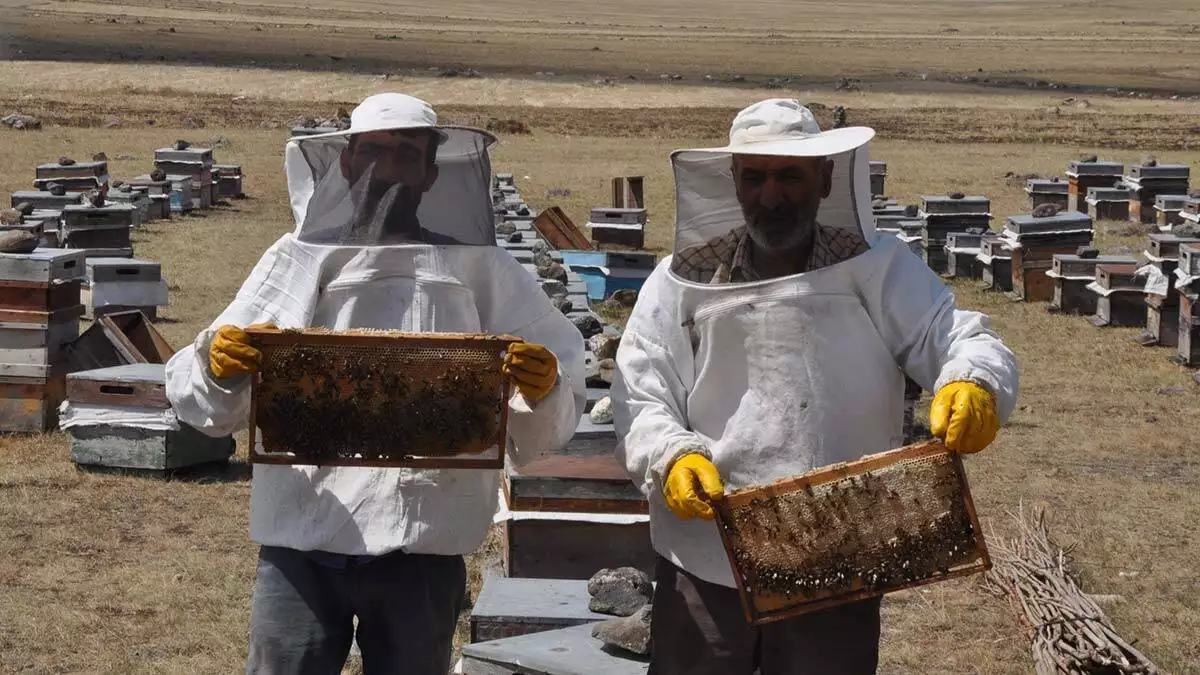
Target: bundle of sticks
x,y
1071,634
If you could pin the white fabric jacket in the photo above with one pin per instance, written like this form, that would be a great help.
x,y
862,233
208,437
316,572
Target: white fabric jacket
x,y
366,511
776,378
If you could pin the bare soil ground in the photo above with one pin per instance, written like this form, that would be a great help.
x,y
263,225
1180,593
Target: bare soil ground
x,y
122,574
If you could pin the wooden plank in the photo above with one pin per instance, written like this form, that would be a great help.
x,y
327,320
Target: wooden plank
x,y
567,651
32,350
558,230
135,328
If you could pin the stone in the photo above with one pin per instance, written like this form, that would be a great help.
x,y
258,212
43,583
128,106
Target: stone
x,y
11,217
957,195
1087,252
506,228
66,161
1046,211
608,368
523,211
99,157
158,175
588,325
26,208
540,246
554,288
1151,160
619,591
553,271
562,304
95,198
18,241
602,411
515,238
1089,159
625,298
631,633
57,189
182,145
21,122
542,259
604,346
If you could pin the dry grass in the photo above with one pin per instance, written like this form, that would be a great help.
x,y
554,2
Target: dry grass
x,y
124,574
1098,43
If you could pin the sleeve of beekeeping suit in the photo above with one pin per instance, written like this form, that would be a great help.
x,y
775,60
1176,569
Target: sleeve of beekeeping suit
x,y
650,388
280,290
510,301
933,341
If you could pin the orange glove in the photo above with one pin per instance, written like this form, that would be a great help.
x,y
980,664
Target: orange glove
x,y
231,354
963,415
686,474
533,368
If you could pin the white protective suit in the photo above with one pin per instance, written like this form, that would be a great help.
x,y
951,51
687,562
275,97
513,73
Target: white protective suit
x,y
773,378
313,277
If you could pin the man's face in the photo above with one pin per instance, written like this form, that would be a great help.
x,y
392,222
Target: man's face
x,y
397,164
780,196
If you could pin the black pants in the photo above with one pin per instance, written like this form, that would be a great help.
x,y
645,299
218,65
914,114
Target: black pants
x,y
305,603
698,628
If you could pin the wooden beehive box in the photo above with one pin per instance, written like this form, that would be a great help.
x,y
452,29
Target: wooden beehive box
x,y
96,170
995,260
1188,347
71,185
1189,258
579,483
1052,191
117,339
962,255
1119,297
850,531
40,199
1071,275
1162,322
380,398
229,181
30,404
1082,176
34,343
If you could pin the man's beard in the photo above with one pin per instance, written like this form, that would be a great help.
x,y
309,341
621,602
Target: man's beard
x,y
388,211
782,229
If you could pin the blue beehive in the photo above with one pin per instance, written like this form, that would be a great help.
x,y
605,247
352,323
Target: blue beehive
x,y
606,272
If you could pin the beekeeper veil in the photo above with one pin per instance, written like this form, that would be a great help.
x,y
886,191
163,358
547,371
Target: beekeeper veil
x,y
780,185
393,178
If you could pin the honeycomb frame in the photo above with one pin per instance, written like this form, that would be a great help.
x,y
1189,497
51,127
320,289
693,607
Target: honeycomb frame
x,y
851,531
343,397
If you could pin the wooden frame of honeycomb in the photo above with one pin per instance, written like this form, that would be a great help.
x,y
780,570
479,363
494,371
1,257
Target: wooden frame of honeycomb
x,y
851,531
379,398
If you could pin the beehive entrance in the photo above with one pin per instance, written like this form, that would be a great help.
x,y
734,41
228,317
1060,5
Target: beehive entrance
x,y
843,533
380,398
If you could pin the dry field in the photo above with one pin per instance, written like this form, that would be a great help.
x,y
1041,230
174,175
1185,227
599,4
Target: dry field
x,y
119,574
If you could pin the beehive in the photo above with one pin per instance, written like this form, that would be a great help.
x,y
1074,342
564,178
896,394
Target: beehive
x,y
380,398
886,522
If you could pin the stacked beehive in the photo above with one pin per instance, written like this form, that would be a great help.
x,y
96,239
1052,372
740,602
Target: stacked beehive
x,y
39,318
1035,240
1149,180
952,213
184,164
121,284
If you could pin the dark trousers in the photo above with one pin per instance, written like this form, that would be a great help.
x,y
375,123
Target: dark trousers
x,y
305,603
698,628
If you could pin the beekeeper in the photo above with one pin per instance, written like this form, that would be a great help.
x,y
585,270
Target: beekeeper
x,y
776,340
394,230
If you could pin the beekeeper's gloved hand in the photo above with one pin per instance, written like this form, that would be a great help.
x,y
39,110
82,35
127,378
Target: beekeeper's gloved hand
x,y
231,355
691,479
964,416
533,368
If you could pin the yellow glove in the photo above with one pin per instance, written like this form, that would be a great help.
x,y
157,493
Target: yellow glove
x,y
686,474
231,355
533,368
964,416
